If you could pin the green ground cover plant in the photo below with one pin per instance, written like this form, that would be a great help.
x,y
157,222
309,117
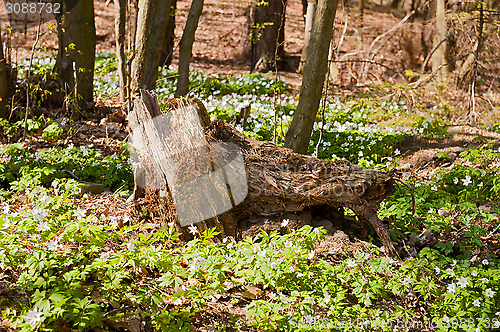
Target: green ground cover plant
x,y
72,267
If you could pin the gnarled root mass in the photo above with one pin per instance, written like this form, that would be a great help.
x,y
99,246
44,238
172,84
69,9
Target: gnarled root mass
x,y
280,183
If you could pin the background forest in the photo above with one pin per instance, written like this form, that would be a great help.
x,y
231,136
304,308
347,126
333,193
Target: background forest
x,y
406,88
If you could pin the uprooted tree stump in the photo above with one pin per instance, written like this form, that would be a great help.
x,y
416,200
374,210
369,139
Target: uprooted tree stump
x,y
279,181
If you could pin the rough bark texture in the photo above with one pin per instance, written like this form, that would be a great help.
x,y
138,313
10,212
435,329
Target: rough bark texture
x,y
267,34
120,21
152,21
281,184
4,83
76,54
440,56
299,133
186,47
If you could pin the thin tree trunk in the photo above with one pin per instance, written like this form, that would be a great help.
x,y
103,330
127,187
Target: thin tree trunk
x,y
311,10
4,83
76,54
186,47
267,34
299,133
168,43
440,57
120,20
152,21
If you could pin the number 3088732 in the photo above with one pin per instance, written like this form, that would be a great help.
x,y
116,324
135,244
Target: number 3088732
x,y
33,8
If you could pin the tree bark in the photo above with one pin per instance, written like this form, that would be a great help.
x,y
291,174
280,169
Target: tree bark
x,y
311,11
120,21
186,47
4,83
299,133
152,22
267,34
280,182
440,56
76,54
168,43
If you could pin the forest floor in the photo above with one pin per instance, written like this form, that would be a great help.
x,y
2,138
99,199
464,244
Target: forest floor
x,y
429,138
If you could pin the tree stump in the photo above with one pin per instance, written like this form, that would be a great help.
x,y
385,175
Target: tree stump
x,y
279,181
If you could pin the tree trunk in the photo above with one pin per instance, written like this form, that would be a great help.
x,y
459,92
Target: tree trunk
x,y
280,183
76,54
267,34
4,83
311,10
186,47
168,43
299,133
152,20
120,21
440,56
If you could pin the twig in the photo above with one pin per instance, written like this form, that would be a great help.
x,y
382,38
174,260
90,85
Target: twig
x,y
27,79
412,195
491,233
397,26
348,9
428,57
431,75
368,61
276,75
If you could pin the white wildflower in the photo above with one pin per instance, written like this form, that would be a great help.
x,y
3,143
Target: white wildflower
x,y
39,213
467,180
53,245
104,256
43,226
476,303
285,222
485,262
45,200
451,288
193,229
351,263
484,280
80,213
34,317
311,254
130,246
462,282
474,273
489,292
196,263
